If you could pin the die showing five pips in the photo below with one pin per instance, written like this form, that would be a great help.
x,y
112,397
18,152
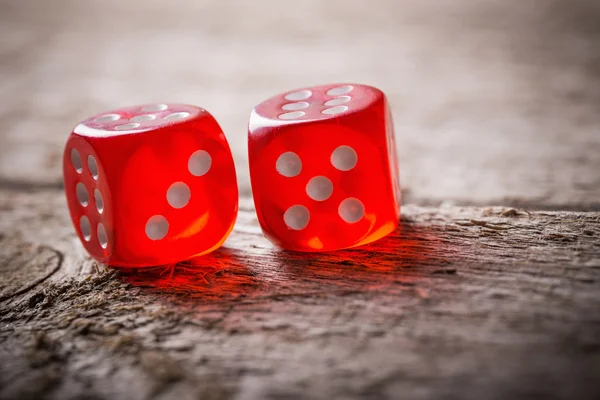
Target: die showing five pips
x,y
155,184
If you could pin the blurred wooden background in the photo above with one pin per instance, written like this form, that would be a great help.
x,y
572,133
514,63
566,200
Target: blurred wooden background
x,y
489,97
490,290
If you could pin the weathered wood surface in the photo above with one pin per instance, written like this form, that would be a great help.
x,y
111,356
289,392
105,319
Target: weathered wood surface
x,y
465,303
489,97
496,104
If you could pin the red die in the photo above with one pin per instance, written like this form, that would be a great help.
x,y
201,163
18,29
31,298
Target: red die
x,y
150,185
323,167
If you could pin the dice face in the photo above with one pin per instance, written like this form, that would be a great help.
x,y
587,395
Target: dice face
x,y
323,167
150,185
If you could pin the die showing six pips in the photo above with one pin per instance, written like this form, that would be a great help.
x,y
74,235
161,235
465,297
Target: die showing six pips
x,y
323,167
150,185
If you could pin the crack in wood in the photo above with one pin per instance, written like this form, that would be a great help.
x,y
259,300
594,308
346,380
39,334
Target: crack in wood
x,y
34,280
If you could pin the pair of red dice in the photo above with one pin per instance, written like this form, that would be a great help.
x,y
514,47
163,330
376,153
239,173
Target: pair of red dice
x,y
156,184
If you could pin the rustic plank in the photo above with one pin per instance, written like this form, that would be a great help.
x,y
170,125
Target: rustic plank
x,y
464,303
496,102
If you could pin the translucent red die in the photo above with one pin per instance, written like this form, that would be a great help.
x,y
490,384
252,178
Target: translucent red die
x,y
323,167
150,185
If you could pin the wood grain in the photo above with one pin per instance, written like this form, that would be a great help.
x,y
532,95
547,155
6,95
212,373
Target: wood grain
x,y
490,288
469,303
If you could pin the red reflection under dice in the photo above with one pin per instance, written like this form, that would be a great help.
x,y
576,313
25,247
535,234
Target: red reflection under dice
x,y
150,185
323,167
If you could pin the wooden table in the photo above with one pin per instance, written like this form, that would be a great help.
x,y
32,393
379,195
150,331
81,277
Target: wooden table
x,y
490,289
